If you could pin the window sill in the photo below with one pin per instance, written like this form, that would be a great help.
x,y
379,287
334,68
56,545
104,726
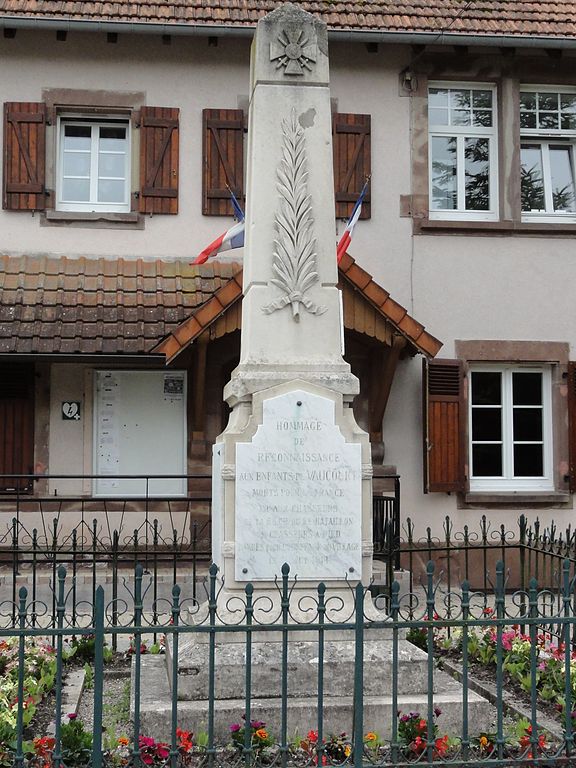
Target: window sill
x,y
505,227
533,498
102,219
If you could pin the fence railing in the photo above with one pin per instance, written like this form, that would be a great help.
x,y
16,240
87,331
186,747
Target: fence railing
x,y
99,539
360,697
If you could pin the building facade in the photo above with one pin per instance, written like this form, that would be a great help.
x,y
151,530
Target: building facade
x,y
121,138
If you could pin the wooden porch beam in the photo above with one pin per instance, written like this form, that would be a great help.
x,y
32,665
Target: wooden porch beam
x,y
382,378
200,354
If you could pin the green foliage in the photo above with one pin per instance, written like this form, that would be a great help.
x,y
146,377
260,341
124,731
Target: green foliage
x,y
76,743
418,636
39,676
117,712
259,736
88,677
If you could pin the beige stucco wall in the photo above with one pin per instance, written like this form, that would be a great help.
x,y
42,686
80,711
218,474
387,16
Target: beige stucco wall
x,y
459,286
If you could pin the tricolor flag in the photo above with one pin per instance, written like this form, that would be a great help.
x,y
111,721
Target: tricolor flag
x,y
347,234
232,238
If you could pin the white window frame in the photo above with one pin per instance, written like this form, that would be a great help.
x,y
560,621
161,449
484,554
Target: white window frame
x,y
507,482
462,132
94,122
546,137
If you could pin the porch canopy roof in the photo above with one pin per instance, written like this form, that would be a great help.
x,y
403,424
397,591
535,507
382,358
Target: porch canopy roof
x,y
511,22
80,306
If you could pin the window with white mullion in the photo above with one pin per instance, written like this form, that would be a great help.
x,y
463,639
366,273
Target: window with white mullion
x,y
546,174
548,168
94,167
462,152
510,429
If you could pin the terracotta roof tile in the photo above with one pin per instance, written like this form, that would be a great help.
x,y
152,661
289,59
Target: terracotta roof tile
x,y
547,18
81,308
96,306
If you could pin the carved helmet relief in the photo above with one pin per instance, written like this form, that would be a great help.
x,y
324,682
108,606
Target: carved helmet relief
x,y
294,256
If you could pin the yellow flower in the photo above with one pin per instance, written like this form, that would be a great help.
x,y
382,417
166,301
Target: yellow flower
x,y
262,733
483,741
371,736
347,750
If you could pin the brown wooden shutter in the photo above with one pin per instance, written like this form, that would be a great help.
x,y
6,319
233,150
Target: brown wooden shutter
x,y
444,412
572,423
352,158
223,160
24,156
159,146
16,425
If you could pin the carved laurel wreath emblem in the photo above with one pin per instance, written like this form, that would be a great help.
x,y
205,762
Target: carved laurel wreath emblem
x,y
294,257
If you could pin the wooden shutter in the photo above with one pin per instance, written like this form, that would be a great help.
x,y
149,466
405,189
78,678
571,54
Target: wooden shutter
x,y
444,412
24,156
223,160
352,156
572,423
16,425
159,145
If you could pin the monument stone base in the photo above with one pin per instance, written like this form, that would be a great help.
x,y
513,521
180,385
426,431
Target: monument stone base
x,y
337,709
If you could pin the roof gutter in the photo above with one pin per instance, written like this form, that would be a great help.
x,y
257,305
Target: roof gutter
x,y
218,30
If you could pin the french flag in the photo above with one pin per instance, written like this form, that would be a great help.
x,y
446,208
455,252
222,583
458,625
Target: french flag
x,y
347,234
232,238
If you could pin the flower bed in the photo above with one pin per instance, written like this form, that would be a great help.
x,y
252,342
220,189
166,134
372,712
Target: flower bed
x,y
39,677
518,655
255,744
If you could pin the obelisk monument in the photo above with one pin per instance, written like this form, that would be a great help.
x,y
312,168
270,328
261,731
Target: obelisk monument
x,y
292,471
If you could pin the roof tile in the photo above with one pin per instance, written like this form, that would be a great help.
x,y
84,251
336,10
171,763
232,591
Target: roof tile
x,y
546,18
82,308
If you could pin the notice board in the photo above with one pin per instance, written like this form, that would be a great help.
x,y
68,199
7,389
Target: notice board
x,y
139,429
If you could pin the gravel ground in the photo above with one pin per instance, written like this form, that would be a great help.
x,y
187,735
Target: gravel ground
x,y
116,699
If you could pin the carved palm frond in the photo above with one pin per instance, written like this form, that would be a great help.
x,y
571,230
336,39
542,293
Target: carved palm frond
x,y
294,256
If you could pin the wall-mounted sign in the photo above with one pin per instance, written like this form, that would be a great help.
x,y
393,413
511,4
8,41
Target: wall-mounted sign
x,y
71,411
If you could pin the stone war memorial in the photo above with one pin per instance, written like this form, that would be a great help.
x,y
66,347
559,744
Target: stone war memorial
x,y
292,471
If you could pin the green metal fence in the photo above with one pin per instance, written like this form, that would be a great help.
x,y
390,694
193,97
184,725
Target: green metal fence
x,y
493,638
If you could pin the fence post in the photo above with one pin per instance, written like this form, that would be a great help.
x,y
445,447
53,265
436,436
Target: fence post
x,y
320,701
500,616
465,618
358,720
566,600
14,568
60,611
212,605
285,606
22,595
98,677
247,749
394,615
430,613
115,538
137,661
174,687
522,526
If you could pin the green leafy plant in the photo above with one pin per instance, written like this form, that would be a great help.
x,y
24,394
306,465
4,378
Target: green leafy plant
x,y
76,742
39,676
414,732
418,636
259,736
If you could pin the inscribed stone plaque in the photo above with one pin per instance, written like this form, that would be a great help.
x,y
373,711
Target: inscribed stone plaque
x,y
298,494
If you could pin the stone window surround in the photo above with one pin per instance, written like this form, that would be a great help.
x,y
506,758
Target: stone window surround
x,y
507,74
100,103
556,354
